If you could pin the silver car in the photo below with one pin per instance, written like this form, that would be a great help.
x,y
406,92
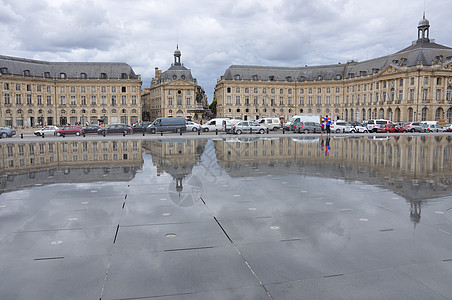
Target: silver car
x,y
47,130
248,127
192,126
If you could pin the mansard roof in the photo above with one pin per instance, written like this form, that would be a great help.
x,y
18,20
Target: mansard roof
x,y
93,70
177,72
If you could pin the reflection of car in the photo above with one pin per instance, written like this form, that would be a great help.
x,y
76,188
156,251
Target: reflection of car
x,y
341,126
306,127
6,132
91,129
415,127
192,126
387,128
434,128
247,127
141,126
116,128
71,129
47,130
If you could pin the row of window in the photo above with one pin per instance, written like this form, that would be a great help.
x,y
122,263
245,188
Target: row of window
x,y
384,96
384,85
72,89
73,100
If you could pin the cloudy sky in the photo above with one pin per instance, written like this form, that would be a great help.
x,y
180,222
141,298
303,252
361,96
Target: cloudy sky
x,y
212,35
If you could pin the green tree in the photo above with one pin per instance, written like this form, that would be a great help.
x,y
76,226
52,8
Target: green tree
x,y
213,106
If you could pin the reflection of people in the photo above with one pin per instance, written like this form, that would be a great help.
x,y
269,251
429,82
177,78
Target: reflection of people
x,y
327,146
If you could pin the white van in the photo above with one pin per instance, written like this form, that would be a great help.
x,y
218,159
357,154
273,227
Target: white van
x,y
214,124
302,118
270,123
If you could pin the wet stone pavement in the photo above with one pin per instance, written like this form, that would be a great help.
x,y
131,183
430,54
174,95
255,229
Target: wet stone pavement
x,y
234,218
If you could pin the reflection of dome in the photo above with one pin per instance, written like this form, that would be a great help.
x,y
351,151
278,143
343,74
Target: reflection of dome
x,y
192,187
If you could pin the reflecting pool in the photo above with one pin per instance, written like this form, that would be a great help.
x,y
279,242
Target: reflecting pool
x,y
294,217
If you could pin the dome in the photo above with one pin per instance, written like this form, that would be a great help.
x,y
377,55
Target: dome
x,y
177,51
424,22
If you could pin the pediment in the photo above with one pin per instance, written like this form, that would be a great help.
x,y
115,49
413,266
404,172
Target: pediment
x,y
447,66
391,69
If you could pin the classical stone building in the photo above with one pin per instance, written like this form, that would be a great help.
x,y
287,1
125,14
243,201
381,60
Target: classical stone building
x,y
411,85
56,93
174,93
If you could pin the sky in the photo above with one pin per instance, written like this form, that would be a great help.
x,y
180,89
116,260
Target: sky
x,y
213,35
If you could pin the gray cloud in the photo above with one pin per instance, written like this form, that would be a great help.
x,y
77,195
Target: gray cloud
x,y
212,35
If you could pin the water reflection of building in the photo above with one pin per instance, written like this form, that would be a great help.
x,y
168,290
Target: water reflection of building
x,y
24,164
416,168
177,158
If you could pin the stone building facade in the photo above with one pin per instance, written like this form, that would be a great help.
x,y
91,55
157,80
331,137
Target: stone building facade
x,y
174,93
34,93
413,84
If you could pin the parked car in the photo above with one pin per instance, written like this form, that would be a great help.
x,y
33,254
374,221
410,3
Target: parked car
x,y
301,118
140,126
448,127
358,127
91,129
306,127
434,128
341,126
167,124
215,124
47,130
248,126
387,128
230,124
192,126
372,125
270,123
116,128
415,127
6,132
70,129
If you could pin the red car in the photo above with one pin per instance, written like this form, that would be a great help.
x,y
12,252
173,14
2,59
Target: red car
x,y
69,129
387,128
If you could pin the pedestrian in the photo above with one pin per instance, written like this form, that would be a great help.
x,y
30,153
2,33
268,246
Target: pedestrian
x,y
328,124
322,124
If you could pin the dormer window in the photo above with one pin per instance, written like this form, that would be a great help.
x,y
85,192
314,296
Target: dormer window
x,y
83,76
254,77
4,71
174,77
27,73
62,75
183,77
236,77
320,77
103,75
271,77
302,78
289,78
123,76
338,77
46,74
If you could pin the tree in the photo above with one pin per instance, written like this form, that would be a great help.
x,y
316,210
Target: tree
x,y
213,107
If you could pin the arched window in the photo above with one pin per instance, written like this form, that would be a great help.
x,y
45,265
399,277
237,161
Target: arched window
x,y
30,111
103,75
410,114
93,111
424,114
83,76
62,75
439,114
73,111
113,111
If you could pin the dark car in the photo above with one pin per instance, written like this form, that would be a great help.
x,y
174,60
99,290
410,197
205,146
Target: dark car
x,y
116,128
306,127
91,129
70,129
387,128
7,132
140,126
